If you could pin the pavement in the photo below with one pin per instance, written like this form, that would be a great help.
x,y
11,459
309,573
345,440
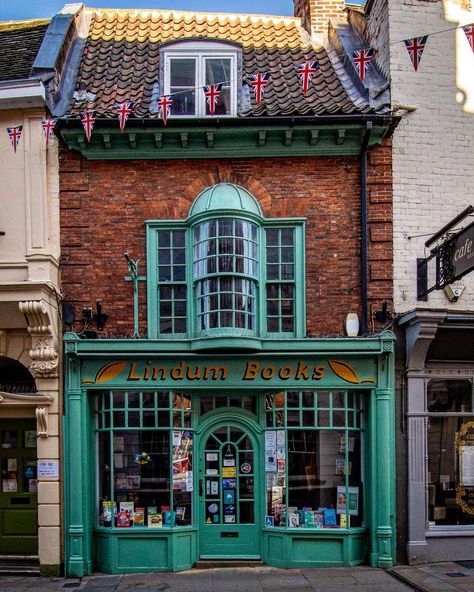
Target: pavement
x,y
439,577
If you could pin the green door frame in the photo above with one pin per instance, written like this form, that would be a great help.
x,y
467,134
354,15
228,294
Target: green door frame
x,y
223,417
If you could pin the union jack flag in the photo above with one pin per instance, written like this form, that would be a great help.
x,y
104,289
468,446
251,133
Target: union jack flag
x,y
306,70
123,111
362,59
14,133
88,120
48,126
259,82
469,30
212,92
416,47
164,105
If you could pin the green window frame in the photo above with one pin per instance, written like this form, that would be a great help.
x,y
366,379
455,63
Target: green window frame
x,y
317,462
139,437
235,284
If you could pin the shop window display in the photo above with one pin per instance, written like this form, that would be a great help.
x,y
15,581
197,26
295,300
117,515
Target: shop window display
x,y
450,440
313,466
145,459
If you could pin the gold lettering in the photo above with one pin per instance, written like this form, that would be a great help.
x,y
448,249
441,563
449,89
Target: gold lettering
x,y
302,371
251,371
131,374
285,372
268,372
196,375
159,370
177,373
147,371
213,371
318,372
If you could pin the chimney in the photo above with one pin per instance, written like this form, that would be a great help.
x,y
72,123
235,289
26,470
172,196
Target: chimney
x,y
315,14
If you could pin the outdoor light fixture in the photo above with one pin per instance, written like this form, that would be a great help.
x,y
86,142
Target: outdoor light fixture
x,y
352,324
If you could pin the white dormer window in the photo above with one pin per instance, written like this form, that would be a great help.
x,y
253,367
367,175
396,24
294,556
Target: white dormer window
x,y
191,66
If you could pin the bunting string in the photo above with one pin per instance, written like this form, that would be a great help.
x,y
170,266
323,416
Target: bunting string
x,y
360,58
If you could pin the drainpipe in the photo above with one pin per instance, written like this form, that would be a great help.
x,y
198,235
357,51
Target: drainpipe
x,y
363,226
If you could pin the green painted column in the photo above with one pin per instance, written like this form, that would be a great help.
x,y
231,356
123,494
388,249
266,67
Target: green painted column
x,y
385,482
75,482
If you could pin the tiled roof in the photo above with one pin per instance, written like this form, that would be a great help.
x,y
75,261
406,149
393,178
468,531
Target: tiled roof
x,y
19,44
120,61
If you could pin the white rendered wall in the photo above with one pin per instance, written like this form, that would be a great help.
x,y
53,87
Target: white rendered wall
x,y
433,156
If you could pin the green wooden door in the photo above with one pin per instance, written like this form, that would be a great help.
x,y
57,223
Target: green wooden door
x,y
18,497
229,519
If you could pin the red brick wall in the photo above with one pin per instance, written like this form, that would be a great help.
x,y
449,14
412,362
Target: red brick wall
x,y
315,14
104,206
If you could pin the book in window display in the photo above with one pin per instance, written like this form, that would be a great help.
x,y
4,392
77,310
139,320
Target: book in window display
x,y
155,520
139,517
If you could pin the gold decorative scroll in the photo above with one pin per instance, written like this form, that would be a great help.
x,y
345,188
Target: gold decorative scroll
x,y
465,493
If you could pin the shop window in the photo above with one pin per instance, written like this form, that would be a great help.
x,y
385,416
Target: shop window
x,y
313,452
226,276
190,67
450,441
145,459
248,403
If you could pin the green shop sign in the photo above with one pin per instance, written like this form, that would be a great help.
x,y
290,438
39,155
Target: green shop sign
x,y
225,372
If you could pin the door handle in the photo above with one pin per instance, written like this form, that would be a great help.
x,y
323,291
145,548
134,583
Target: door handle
x,y
201,491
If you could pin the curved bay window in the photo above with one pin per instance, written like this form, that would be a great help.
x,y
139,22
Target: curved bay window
x,y
225,272
145,459
313,459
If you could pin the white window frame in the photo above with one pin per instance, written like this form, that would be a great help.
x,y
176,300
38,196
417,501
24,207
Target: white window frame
x,y
200,51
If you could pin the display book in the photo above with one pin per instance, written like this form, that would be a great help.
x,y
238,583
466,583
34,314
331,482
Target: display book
x,y
127,515
306,517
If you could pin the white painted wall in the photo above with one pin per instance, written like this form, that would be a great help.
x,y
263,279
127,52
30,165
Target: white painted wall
x,y
433,156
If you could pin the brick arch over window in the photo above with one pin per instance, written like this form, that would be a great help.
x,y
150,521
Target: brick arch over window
x,y
224,174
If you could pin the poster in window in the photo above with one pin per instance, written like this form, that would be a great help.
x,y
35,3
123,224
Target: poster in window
x,y
347,501
182,455
30,439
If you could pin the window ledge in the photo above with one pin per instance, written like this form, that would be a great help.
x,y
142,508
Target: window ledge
x,y
449,531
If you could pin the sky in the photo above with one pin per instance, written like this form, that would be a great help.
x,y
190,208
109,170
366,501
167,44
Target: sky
x,y
26,9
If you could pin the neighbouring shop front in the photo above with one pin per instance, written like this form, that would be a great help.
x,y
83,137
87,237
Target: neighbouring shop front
x,y
440,416
172,457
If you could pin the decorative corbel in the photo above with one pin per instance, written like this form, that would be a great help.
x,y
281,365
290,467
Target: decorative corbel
x,y
45,358
42,422
3,343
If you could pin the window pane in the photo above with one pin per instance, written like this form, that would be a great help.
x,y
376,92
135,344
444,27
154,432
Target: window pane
x,y
184,101
218,71
183,72
449,486
449,396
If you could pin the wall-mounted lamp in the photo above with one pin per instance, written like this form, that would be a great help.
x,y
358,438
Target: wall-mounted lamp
x,y
352,324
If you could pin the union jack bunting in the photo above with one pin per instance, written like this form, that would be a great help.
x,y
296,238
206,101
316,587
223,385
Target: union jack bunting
x,y
48,127
164,105
14,133
306,70
123,111
212,92
362,59
416,47
469,30
88,120
258,82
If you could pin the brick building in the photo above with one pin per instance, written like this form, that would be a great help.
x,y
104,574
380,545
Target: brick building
x,y
229,406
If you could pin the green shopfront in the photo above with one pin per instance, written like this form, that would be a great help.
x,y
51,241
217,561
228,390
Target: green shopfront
x,y
173,456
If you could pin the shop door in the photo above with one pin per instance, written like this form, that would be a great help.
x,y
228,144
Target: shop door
x,y
18,493
229,520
